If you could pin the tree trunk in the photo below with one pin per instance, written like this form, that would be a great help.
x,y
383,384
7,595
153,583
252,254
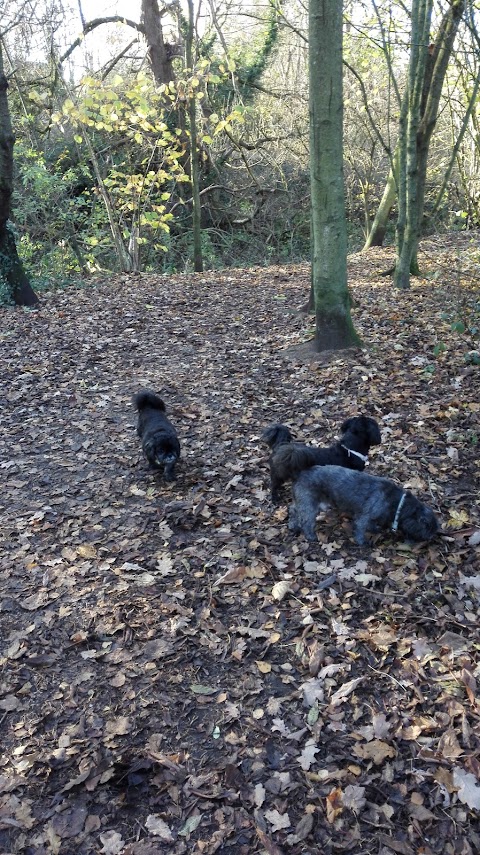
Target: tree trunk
x,y
194,165
12,272
158,52
409,191
13,278
334,327
437,64
378,228
435,68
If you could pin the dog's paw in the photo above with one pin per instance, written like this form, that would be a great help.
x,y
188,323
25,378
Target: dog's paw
x,y
362,541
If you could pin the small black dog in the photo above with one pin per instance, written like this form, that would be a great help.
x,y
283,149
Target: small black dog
x,y
374,503
289,458
159,438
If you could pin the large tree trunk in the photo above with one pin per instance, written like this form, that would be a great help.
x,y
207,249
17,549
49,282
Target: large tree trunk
x,y
334,327
12,271
12,275
158,51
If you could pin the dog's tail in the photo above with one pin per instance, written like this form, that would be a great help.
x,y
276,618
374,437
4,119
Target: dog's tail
x,y
277,435
293,458
148,399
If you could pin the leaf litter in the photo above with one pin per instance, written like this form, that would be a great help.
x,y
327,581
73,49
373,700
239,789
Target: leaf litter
x,y
178,672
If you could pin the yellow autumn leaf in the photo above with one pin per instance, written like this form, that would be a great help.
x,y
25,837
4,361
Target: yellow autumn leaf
x,y
263,667
458,519
86,551
280,589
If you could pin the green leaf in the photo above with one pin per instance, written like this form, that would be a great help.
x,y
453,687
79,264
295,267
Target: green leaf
x,y
191,824
198,689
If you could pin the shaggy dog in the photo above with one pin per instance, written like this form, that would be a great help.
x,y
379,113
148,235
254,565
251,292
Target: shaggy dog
x,y
159,438
374,503
289,458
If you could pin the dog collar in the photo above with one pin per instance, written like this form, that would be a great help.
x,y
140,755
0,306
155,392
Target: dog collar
x,y
397,512
363,457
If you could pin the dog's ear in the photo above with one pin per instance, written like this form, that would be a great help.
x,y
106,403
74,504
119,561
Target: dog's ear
x,y
276,435
148,399
350,423
373,431
269,434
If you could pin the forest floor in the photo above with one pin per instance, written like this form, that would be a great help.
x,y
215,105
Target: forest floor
x,y
180,674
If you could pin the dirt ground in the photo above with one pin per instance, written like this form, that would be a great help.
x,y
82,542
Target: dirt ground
x,y
178,673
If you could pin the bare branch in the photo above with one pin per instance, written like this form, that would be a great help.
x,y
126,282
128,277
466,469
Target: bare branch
x,y
97,22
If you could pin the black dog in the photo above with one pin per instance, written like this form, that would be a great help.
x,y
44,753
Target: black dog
x,y
159,438
374,503
289,458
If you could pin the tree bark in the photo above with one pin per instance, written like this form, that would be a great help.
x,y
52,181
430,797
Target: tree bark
x,y
410,196
194,164
334,327
437,65
159,55
378,228
15,281
435,68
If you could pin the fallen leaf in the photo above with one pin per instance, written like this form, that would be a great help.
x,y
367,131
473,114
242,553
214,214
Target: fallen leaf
x,y
280,589
458,519
470,581
158,828
199,689
354,798
376,751
277,820
302,829
112,843
87,551
344,691
191,824
307,757
312,691
259,795
334,804
118,726
9,703
448,745
269,846
234,574
468,788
